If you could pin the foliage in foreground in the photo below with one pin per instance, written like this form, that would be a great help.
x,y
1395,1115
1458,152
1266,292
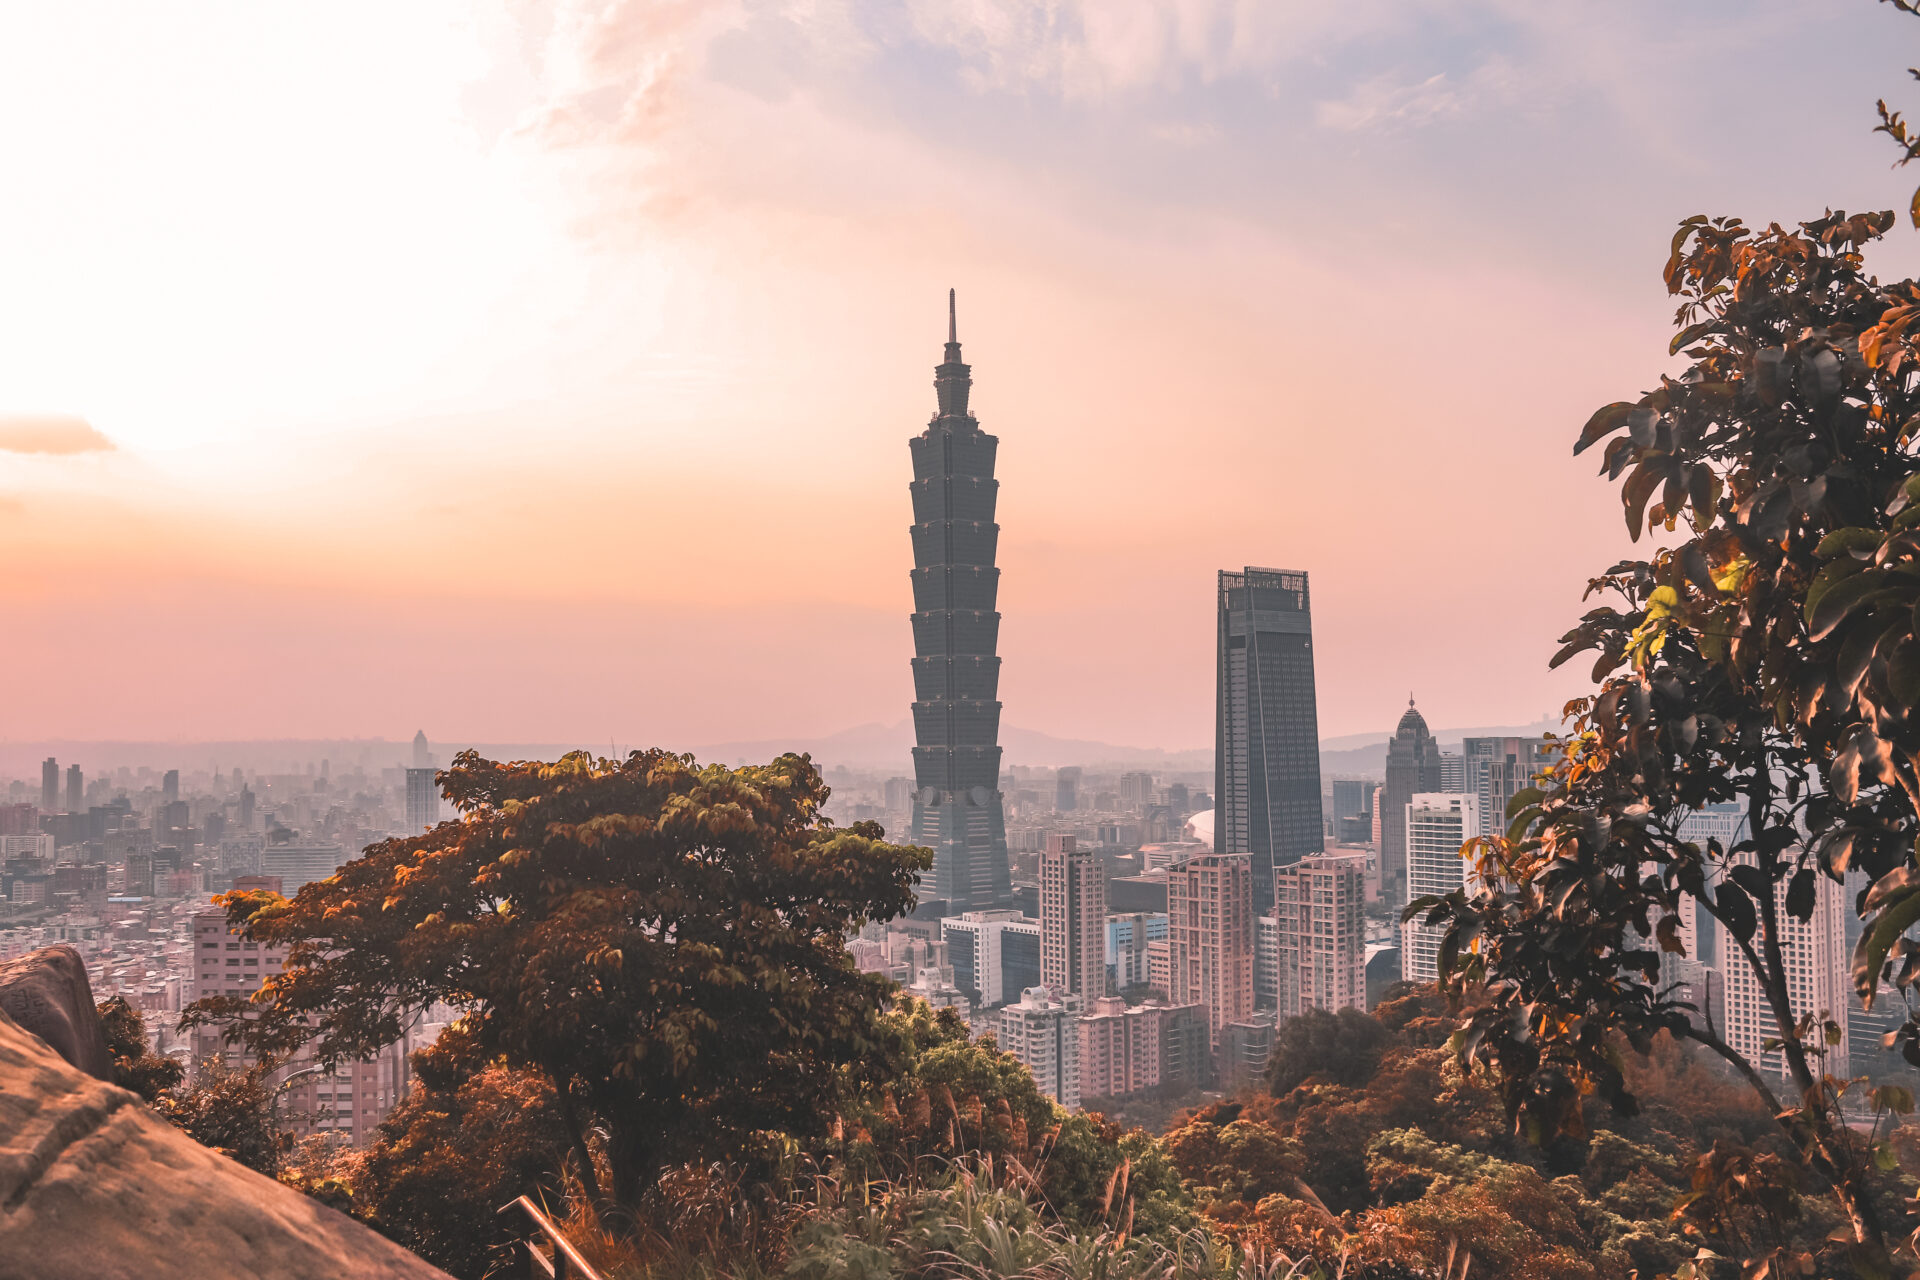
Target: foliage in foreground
x,y
662,942
1414,1162
227,1108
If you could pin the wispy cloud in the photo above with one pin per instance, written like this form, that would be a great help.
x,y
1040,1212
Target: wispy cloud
x,y
1392,101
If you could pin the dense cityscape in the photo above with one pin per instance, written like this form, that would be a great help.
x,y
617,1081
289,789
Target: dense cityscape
x,y
1122,934
510,768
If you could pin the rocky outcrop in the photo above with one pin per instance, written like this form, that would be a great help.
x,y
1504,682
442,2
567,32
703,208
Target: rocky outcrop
x,y
93,1186
48,994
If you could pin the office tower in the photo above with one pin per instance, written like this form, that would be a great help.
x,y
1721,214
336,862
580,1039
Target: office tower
x,y
423,801
1818,981
1073,919
50,786
1413,768
995,955
958,807
1498,769
422,756
1266,735
246,808
1453,771
1210,938
300,864
137,879
1353,797
1128,936
1320,937
170,787
1066,789
1043,1031
1434,825
76,790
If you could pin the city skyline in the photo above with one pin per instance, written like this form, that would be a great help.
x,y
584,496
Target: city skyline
x,y
548,297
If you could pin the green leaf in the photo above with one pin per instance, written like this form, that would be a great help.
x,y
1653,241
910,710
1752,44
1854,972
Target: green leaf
x,y
1852,538
1903,672
1895,918
1831,607
1800,894
1690,333
1605,421
1736,910
1523,798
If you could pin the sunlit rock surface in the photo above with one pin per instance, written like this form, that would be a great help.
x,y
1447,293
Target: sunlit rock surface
x,y
93,1186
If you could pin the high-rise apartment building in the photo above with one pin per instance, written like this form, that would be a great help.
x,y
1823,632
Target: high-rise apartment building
x,y
1453,771
423,801
76,790
1413,768
1498,769
1127,1049
1320,937
350,1100
958,808
1435,824
1043,1031
1818,980
1210,938
1073,919
1267,737
50,785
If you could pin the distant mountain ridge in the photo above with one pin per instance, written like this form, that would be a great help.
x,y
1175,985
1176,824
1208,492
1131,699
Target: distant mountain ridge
x,y
872,746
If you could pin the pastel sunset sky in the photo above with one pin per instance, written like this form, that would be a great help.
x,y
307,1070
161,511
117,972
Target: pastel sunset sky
x,y
543,371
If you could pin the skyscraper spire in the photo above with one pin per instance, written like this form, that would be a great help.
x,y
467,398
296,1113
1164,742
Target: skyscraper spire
x,y
952,378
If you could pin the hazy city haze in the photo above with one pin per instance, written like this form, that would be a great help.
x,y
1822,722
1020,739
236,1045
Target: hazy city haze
x,y
542,372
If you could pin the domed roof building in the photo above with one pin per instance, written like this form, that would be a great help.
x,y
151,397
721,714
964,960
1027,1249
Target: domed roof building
x,y
1413,766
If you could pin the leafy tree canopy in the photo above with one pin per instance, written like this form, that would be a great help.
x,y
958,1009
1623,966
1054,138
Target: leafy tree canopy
x,y
1343,1046
663,941
1769,658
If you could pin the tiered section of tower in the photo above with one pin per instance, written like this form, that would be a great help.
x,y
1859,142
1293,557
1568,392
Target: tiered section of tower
x,y
957,807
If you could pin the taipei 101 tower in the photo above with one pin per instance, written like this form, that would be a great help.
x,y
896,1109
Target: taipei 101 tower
x,y
957,810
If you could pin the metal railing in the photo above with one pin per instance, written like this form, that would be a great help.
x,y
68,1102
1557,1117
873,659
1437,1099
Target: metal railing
x,y
565,1262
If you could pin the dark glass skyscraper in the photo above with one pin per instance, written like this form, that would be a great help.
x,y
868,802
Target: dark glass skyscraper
x,y
957,809
1267,735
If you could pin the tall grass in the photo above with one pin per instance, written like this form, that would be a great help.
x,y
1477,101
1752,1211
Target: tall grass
x,y
975,1220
